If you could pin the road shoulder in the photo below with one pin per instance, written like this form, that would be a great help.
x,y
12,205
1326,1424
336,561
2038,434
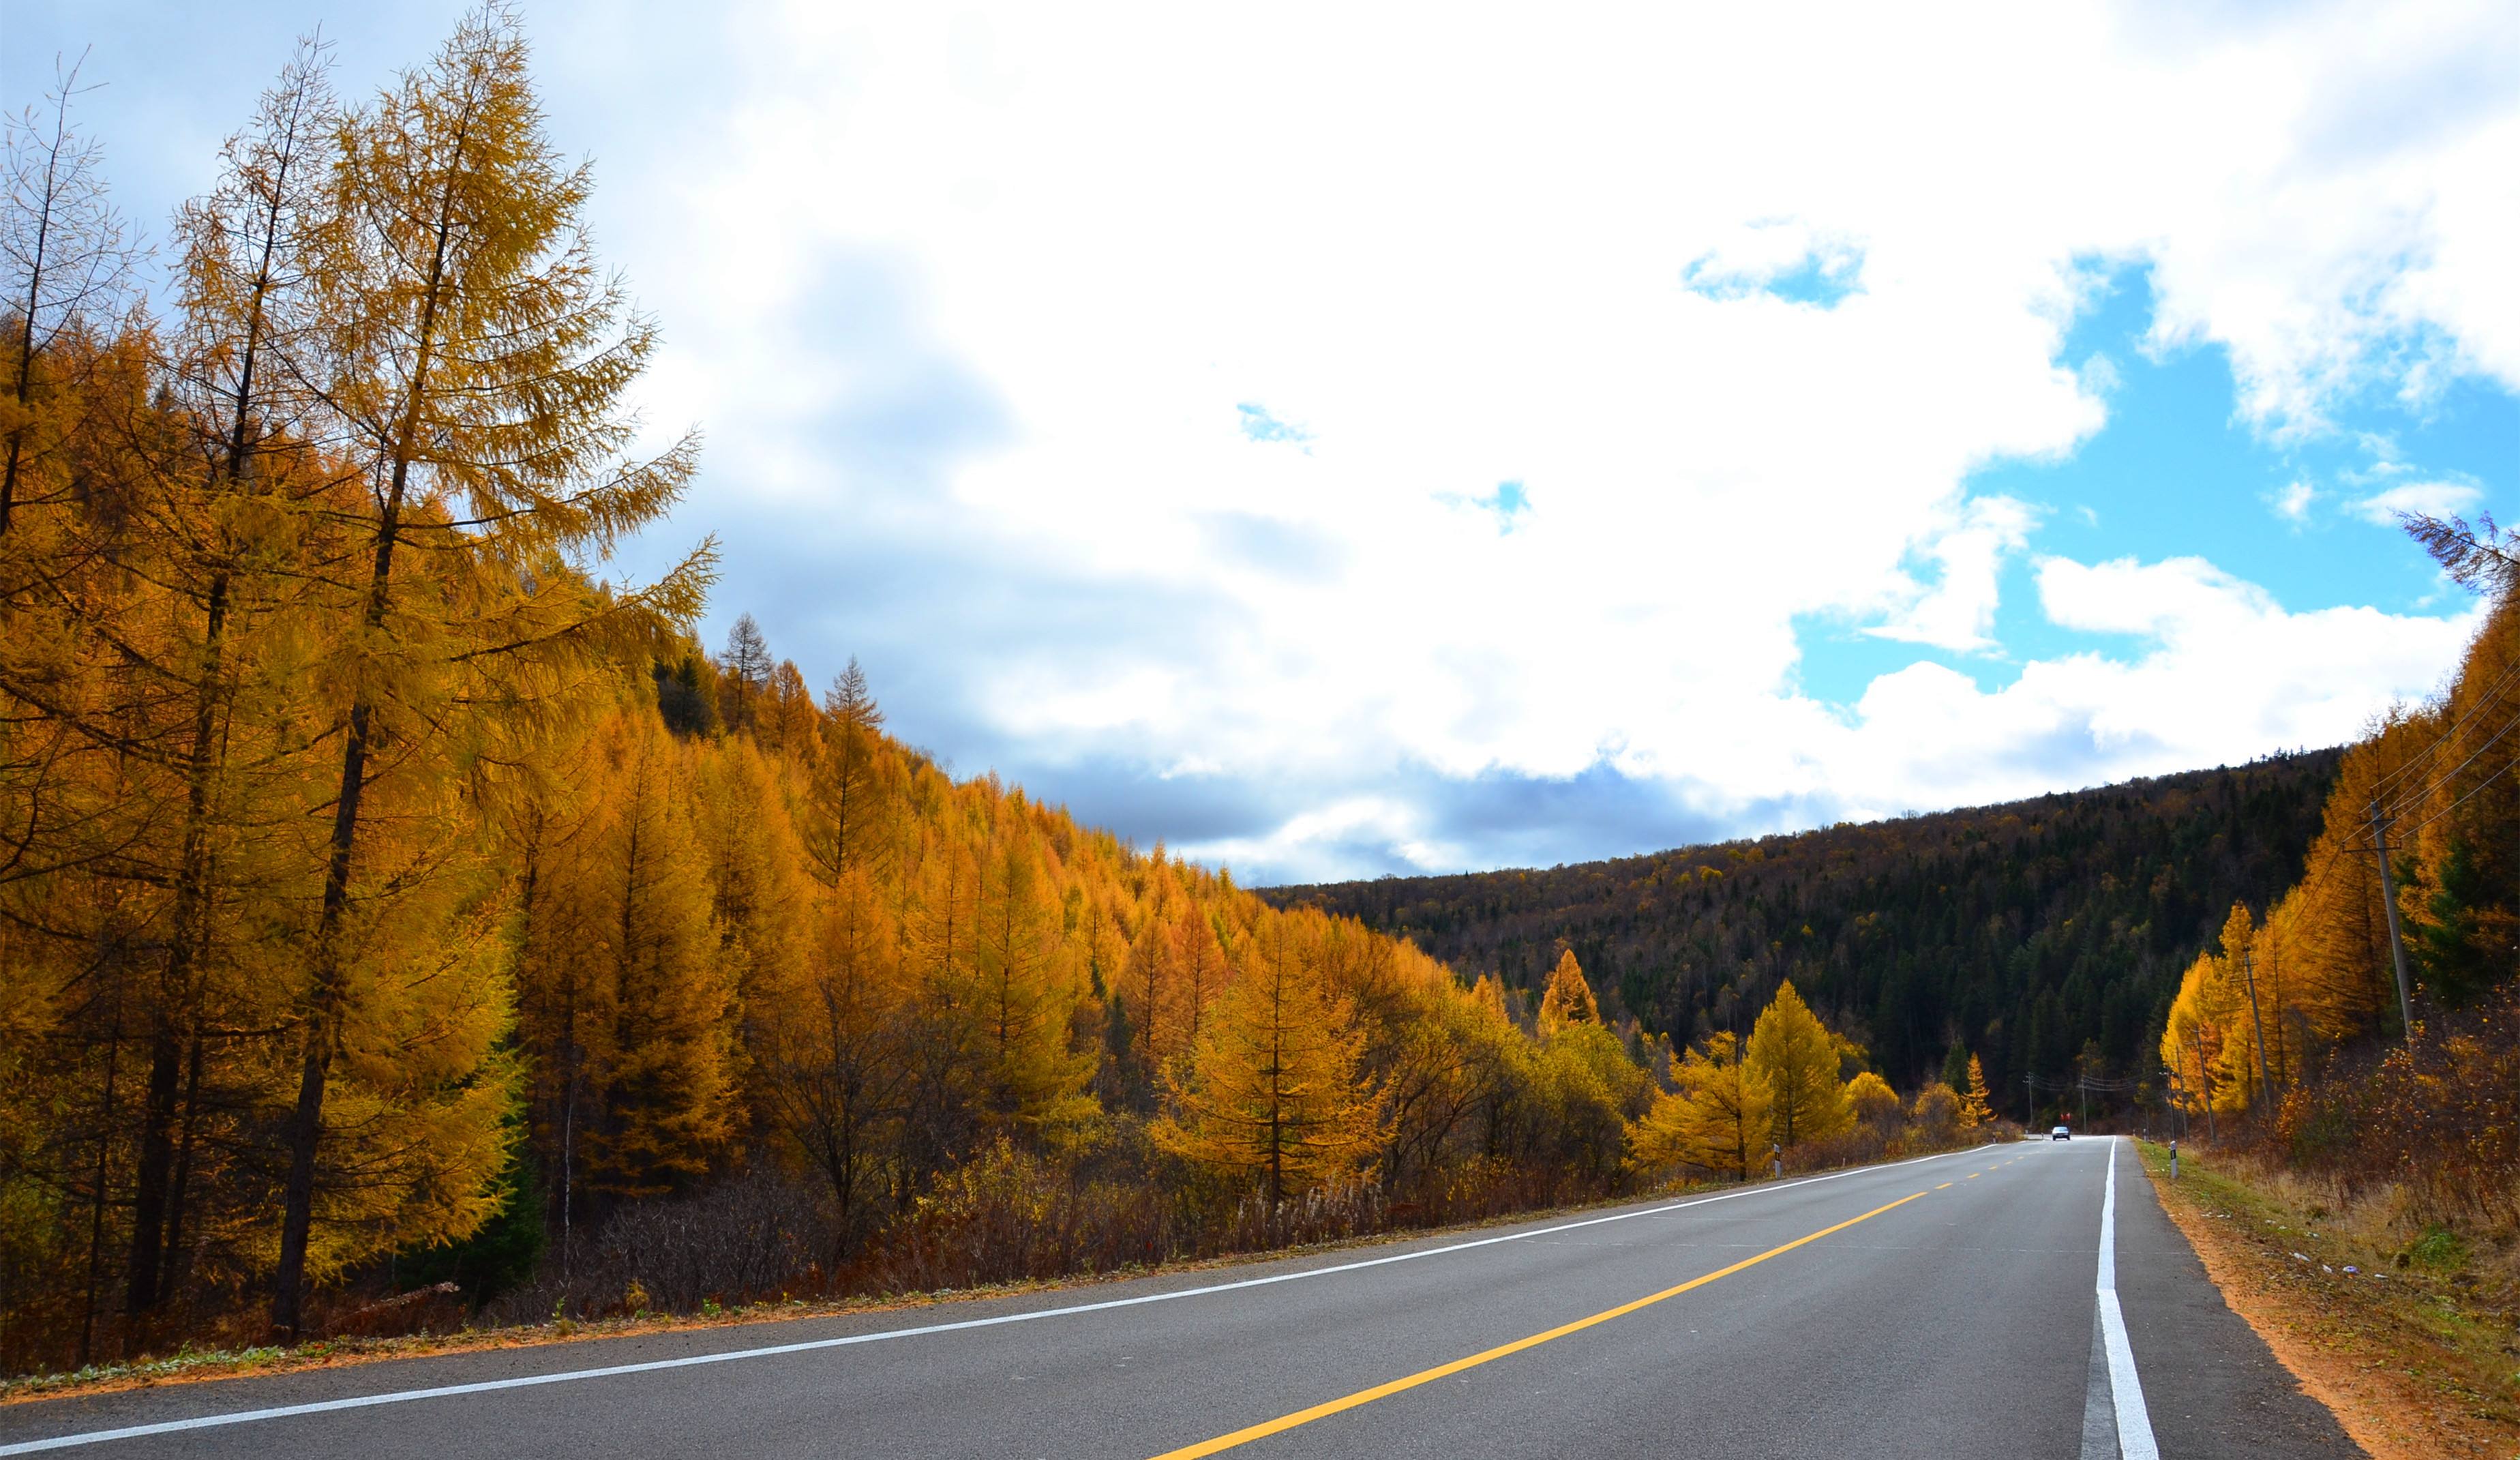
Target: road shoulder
x,y
2352,1342
2212,1385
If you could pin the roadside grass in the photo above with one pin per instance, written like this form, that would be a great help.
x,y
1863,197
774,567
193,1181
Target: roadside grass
x,y
2406,1331
190,1365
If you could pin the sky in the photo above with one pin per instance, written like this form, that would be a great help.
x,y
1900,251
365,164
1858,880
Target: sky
x,y
1337,441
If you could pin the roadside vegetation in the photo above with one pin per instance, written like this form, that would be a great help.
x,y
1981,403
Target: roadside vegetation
x,y
2353,1050
2400,1324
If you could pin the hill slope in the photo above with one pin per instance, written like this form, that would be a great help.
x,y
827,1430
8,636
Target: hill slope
x,y
2021,931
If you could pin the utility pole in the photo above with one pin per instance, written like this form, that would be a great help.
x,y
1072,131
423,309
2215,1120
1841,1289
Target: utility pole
x,y
2082,1088
2028,1103
2205,1085
2266,1081
2389,903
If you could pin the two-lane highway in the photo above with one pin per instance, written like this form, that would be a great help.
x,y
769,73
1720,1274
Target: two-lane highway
x,y
1960,1306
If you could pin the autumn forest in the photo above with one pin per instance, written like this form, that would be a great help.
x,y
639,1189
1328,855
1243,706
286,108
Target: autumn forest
x,y
405,922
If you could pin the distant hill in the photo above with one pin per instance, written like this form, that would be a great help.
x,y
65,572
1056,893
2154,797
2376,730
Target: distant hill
x,y
2022,930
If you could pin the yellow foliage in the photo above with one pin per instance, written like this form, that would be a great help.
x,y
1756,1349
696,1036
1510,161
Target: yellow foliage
x,y
1718,1120
1872,1100
1796,1058
1273,1092
1568,998
1973,1103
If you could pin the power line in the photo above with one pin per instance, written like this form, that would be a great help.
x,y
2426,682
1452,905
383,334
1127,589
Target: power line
x,y
2492,692
2415,800
2462,800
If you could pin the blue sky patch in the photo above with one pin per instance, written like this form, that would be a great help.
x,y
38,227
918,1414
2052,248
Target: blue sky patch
x,y
2177,473
1508,504
1260,426
1822,275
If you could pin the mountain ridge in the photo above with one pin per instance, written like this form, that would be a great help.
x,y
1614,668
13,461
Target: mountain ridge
x,y
2019,929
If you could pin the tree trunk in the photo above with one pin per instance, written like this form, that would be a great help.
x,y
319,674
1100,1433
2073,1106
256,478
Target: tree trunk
x,y
323,999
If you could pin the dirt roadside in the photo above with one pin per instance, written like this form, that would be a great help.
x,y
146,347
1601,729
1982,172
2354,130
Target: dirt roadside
x,y
2412,1365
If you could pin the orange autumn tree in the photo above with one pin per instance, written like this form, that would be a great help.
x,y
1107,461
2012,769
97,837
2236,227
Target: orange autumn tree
x,y
1273,1094
1872,1100
1568,999
474,360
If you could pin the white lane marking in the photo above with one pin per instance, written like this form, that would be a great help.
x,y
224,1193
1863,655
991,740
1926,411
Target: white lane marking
x,y
2135,1424
528,1381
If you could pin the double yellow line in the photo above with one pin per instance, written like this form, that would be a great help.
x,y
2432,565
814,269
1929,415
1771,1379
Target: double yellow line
x,y
1363,1396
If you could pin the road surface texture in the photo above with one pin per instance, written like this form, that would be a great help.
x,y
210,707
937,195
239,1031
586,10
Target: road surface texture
x,y
1960,1306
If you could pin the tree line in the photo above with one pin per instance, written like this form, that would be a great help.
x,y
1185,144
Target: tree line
x,y
2045,937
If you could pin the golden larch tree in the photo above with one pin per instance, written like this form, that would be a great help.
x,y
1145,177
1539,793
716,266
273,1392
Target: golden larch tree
x,y
475,360
667,1092
1272,1092
1974,1110
1792,1054
1718,1120
1568,999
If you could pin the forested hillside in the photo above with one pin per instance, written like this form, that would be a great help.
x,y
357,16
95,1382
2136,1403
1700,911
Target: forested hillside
x,y
2369,1029
387,900
2021,933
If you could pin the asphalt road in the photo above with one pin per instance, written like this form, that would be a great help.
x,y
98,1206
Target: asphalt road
x,y
1947,1308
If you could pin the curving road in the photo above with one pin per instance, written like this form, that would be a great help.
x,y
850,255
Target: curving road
x,y
1961,1305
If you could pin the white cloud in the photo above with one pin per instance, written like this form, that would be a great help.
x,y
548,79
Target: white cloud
x,y
1456,250
2431,498
2292,503
2223,674
1958,612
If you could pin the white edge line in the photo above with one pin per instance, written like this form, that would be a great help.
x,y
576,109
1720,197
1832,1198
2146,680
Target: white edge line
x,y
2126,1391
528,1381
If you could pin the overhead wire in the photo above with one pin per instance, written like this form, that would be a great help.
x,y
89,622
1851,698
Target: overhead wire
x,y
2487,698
2462,800
2416,800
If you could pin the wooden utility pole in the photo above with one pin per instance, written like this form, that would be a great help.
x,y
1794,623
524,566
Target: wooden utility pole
x,y
2257,1026
2389,903
2205,1086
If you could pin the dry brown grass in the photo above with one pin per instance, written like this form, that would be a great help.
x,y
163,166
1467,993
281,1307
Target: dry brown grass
x,y
2414,1349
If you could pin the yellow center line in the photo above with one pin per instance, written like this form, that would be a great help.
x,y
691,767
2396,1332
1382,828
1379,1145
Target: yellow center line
x,y
1942,1184
1363,1396
1973,1175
